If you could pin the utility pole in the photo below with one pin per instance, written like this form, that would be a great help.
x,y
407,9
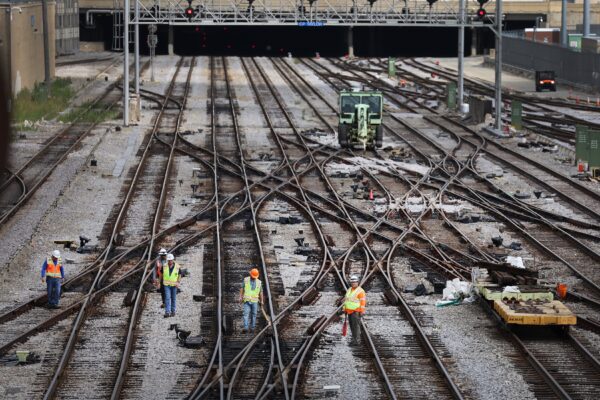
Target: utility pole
x,y
498,72
563,24
586,18
137,47
47,78
461,52
126,62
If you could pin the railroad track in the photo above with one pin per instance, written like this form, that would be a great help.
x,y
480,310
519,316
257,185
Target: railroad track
x,y
19,186
542,233
240,224
104,281
544,374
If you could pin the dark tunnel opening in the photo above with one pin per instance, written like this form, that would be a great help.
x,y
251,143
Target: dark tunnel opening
x,y
327,41
300,41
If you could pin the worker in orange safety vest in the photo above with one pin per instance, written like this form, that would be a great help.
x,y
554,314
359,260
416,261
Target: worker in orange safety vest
x,y
53,275
355,302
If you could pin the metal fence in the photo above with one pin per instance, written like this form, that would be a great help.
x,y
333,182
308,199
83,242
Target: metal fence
x,y
576,67
67,27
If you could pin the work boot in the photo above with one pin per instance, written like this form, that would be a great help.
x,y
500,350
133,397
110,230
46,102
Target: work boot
x,y
167,315
244,330
173,314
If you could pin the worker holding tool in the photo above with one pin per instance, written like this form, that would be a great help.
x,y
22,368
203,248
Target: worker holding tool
x,y
53,275
354,307
157,274
171,279
250,295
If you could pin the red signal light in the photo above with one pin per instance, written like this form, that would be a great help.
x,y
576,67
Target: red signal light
x,y
189,12
481,13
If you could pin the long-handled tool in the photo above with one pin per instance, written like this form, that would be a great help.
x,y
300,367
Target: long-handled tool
x,y
345,326
262,309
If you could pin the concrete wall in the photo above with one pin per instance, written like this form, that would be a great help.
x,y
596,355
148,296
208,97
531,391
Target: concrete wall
x,y
22,43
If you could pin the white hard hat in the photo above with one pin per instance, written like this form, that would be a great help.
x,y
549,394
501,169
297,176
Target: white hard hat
x,y
170,257
162,252
56,254
354,278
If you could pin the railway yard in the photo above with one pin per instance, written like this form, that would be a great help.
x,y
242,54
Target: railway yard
x,y
235,164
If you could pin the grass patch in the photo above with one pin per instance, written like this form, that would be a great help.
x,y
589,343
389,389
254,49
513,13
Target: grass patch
x,y
97,114
32,105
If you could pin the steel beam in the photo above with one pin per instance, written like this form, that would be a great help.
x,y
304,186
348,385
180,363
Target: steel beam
x,y
137,49
126,8
563,24
586,18
498,72
461,53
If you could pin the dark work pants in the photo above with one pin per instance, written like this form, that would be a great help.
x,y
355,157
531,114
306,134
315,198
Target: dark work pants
x,y
162,292
53,288
354,321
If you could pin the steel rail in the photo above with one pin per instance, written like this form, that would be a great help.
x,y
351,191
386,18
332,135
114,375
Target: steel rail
x,y
28,192
453,388
81,317
434,246
137,306
553,227
254,211
567,198
537,365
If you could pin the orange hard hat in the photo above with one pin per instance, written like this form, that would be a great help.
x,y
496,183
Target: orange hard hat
x,y
254,273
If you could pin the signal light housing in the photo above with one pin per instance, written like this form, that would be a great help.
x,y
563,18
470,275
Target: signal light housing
x,y
190,12
481,13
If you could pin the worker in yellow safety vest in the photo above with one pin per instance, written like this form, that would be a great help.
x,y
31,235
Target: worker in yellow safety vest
x,y
171,279
354,306
53,275
250,295
157,274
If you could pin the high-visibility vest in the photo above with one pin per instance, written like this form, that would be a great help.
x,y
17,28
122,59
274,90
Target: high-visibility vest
x,y
249,294
53,270
352,302
159,268
170,279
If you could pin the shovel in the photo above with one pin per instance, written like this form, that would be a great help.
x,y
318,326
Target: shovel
x,y
345,326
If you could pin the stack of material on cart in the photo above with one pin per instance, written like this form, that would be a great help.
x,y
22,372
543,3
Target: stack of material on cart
x,y
535,312
528,304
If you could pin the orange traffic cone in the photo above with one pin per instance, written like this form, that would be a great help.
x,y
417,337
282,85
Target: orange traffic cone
x,y
371,194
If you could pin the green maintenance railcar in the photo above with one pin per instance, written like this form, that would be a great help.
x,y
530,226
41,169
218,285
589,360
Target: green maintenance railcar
x,y
360,119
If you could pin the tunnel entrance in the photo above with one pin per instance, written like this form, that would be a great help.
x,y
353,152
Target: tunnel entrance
x,y
277,41
327,41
